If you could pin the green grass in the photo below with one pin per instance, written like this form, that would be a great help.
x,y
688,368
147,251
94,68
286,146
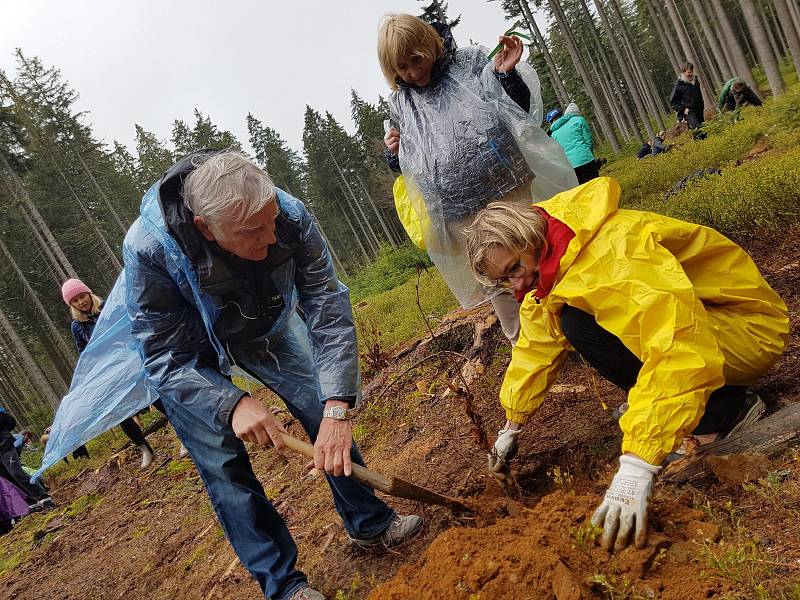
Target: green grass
x,y
759,193
394,266
32,532
396,314
81,504
762,194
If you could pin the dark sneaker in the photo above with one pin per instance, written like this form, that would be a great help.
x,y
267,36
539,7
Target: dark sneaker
x,y
402,529
752,410
307,593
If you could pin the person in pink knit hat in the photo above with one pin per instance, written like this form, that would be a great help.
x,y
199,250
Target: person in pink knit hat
x,y
85,307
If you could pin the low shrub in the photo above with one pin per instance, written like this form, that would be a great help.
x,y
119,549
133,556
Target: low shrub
x,y
395,312
776,125
395,265
762,194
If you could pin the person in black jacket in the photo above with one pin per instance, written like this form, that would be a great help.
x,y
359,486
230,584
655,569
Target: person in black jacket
x,y
214,269
11,469
686,98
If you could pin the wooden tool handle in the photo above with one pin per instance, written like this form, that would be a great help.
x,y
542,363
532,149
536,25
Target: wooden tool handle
x,y
362,474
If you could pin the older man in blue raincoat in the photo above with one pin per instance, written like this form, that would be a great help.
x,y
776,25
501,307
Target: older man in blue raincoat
x,y
214,271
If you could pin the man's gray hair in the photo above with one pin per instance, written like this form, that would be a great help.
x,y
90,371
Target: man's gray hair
x,y
227,186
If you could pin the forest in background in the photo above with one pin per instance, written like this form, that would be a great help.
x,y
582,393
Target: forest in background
x,y
67,199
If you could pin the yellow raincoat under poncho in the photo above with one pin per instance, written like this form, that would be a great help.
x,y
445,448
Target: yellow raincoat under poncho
x,y
688,302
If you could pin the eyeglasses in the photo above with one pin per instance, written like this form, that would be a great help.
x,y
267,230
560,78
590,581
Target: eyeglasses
x,y
514,272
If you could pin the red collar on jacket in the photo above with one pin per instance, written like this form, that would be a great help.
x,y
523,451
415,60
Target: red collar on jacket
x,y
558,238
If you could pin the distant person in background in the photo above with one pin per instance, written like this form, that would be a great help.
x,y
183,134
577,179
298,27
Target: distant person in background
x,y
11,468
658,143
21,440
736,94
653,147
686,98
85,307
551,116
646,149
79,452
572,131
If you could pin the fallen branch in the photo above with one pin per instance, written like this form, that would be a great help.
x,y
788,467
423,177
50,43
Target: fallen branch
x,y
770,437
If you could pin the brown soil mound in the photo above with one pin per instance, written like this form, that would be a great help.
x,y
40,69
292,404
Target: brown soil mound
x,y
541,554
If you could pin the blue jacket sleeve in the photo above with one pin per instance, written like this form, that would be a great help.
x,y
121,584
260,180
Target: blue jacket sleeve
x,y
78,336
392,160
178,357
329,316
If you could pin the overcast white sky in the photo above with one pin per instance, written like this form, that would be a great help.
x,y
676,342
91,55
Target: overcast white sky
x,y
153,61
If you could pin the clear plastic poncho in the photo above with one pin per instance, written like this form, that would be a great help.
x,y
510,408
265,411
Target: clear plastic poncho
x,y
108,385
465,143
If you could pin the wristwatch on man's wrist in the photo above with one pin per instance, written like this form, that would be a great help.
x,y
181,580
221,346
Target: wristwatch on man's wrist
x,y
338,413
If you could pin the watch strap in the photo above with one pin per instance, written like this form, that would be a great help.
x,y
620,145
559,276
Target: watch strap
x,y
337,412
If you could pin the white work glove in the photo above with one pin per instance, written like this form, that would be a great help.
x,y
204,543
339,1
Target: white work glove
x,y
625,507
505,449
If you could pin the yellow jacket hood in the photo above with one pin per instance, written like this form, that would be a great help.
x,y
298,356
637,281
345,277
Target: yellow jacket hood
x,y
583,209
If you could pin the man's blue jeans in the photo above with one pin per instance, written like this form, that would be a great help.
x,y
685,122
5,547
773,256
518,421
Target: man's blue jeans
x,y
258,534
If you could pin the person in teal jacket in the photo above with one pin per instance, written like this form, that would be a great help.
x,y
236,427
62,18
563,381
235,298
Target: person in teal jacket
x,y
573,133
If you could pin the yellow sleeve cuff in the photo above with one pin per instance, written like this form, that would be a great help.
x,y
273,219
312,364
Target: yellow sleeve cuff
x,y
650,452
517,417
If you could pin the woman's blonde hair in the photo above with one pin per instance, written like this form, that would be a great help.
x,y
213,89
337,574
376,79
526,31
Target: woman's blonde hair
x,y
402,36
81,316
518,228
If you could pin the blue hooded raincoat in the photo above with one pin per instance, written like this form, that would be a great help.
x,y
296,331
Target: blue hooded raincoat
x,y
131,353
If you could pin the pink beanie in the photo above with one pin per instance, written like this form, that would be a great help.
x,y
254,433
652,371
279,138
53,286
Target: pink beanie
x,y
72,288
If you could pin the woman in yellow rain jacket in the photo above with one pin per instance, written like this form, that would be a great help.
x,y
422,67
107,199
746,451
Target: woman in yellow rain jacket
x,y
674,313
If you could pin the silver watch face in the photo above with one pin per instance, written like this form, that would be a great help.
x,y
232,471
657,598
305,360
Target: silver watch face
x,y
337,412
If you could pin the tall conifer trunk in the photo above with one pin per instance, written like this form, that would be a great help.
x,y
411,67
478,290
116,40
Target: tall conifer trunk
x,y
599,109
789,30
558,84
630,82
31,368
740,63
762,46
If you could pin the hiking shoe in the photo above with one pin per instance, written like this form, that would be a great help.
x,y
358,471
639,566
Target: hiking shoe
x,y
752,410
402,529
43,504
147,456
306,593
617,413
